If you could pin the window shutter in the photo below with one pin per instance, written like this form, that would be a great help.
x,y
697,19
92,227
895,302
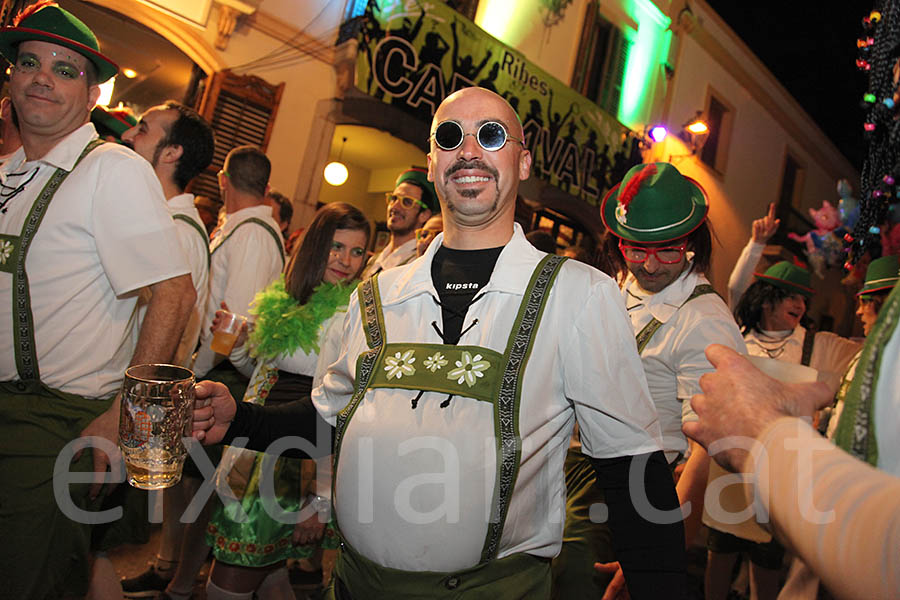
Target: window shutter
x,y
614,72
586,49
241,110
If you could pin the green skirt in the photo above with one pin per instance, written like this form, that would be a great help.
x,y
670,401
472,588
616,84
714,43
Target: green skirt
x,y
261,540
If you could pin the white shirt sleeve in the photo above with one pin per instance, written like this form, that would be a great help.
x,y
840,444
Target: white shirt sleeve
x,y
329,345
742,274
831,356
713,324
133,231
604,379
339,377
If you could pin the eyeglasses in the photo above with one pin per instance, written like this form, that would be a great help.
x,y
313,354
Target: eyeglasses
x,y
405,201
423,234
224,172
667,255
491,136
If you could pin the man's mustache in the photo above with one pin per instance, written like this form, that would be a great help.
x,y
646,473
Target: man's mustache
x,y
470,164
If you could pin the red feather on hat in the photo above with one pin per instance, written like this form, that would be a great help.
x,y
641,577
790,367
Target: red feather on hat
x,y
30,10
634,185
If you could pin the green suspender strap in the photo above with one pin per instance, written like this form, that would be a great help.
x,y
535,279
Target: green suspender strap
x,y
506,407
275,235
856,427
200,230
644,335
23,320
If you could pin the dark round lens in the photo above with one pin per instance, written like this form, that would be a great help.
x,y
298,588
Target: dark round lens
x,y
491,136
448,135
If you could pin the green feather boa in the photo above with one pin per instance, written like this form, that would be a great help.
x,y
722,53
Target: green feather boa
x,y
282,326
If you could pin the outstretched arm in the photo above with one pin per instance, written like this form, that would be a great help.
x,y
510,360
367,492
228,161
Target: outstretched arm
x,y
219,419
742,274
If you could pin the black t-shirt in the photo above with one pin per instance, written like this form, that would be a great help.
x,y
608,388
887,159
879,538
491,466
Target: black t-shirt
x,y
457,276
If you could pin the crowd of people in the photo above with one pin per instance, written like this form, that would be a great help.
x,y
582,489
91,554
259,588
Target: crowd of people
x,y
468,414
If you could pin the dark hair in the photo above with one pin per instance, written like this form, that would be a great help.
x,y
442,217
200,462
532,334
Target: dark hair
x,y
699,241
285,208
875,299
749,311
248,169
195,136
306,266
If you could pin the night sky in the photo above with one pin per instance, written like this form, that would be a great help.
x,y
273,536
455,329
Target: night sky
x,y
810,46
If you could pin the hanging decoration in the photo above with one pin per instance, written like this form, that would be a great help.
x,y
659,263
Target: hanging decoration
x,y
878,55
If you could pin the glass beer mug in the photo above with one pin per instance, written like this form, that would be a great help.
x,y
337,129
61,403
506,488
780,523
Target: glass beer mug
x,y
155,414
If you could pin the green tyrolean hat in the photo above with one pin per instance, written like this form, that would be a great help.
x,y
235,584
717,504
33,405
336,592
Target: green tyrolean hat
x,y
790,277
881,275
418,177
116,120
654,203
47,22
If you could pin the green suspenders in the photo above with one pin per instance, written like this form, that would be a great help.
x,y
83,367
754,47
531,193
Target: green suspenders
x,y
23,320
200,229
430,367
275,235
643,337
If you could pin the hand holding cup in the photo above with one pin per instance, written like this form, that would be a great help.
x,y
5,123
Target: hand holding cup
x,y
229,331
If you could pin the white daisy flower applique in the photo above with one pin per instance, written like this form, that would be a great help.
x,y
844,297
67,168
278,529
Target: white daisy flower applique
x,y
399,364
468,369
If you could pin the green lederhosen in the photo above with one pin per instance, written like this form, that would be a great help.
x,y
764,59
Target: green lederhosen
x,y
388,365
45,554
586,542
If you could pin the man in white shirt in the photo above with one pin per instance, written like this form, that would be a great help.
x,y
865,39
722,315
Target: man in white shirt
x,y
247,250
412,202
661,246
473,364
178,143
82,230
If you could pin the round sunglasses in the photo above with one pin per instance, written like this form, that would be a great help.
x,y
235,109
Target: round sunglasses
x,y
491,135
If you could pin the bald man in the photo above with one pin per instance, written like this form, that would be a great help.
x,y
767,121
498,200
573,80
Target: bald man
x,y
452,418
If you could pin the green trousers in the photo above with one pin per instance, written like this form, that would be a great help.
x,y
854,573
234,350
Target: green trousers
x,y
44,553
515,577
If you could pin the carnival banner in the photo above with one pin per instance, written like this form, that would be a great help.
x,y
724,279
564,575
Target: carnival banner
x,y
415,53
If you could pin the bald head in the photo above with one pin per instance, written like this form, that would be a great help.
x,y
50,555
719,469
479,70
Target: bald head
x,y
477,186
480,97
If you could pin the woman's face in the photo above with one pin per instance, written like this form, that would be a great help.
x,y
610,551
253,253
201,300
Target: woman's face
x,y
348,251
867,314
784,314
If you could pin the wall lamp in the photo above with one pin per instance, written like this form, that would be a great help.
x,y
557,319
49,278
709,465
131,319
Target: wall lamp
x,y
695,131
